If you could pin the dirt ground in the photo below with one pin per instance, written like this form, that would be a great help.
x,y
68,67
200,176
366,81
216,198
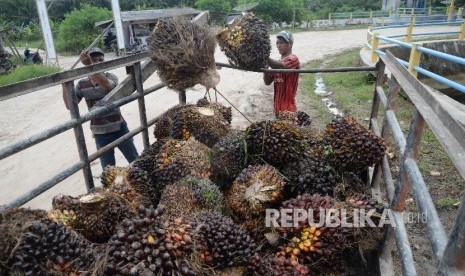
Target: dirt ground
x,y
24,116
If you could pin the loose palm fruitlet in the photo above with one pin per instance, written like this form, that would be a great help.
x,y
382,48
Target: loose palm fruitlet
x,y
228,158
311,175
206,124
49,248
178,159
352,147
276,266
299,118
277,142
218,107
163,124
183,53
142,244
246,43
222,242
255,189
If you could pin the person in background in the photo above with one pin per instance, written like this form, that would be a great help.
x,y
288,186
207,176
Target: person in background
x,y
285,84
110,126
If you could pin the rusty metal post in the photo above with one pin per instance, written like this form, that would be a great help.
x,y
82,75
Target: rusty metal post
x,y
411,151
182,97
79,134
137,74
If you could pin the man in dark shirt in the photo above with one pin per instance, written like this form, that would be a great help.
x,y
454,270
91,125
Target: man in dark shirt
x,y
110,126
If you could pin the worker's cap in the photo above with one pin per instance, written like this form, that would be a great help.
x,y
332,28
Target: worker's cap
x,y
287,36
96,51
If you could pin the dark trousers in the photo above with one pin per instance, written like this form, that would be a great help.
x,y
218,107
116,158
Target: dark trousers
x,y
127,147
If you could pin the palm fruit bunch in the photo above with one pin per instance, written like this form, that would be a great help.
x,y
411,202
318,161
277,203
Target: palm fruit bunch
x,y
246,43
222,242
183,53
178,159
129,183
163,124
65,202
366,202
99,215
276,266
14,224
311,175
146,160
299,118
50,248
179,236
205,124
352,147
255,189
276,142
218,107
311,240
141,245
206,193
228,158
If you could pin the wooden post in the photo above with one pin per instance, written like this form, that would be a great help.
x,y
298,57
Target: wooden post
x,y
462,31
182,97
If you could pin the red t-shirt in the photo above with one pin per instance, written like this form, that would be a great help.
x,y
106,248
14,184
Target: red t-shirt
x,y
285,86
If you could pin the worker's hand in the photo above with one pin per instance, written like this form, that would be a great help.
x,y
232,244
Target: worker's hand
x,y
85,58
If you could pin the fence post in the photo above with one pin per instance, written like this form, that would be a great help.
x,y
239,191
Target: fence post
x,y
329,16
408,36
71,99
382,21
462,31
414,60
371,14
137,75
374,47
350,16
182,97
450,10
390,11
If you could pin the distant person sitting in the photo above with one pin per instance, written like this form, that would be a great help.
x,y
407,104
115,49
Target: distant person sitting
x,y
285,84
110,126
107,41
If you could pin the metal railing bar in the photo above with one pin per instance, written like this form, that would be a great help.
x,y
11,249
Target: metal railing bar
x,y
381,95
441,79
436,233
438,33
403,245
44,135
396,132
431,23
319,70
401,43
442,55
45,186
32,85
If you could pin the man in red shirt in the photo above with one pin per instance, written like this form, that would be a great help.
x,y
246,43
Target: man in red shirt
x,y
285,84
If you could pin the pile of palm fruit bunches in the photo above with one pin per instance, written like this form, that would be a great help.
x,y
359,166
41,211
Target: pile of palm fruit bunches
x,y
195,201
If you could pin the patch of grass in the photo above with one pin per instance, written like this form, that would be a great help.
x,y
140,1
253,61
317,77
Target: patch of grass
x,y
28,72
446,203
31,44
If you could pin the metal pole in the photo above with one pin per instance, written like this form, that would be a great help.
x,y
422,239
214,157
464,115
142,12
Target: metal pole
x,y
182,97
79,134
137,75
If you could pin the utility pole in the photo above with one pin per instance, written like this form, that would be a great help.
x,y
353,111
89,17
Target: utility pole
x,y
46,32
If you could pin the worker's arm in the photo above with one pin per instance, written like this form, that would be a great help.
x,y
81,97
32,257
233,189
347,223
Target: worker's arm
x,y
276,64
65,97
99,78
267,78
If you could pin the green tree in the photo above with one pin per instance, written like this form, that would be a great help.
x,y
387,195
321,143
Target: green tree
x,y
19,11
214,5
78,30
274,10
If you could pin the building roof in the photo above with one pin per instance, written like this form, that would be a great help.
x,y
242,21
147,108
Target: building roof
x,y
148,16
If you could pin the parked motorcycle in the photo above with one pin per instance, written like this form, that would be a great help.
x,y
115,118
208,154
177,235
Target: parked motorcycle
x,y
32,58
5,62
136,47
